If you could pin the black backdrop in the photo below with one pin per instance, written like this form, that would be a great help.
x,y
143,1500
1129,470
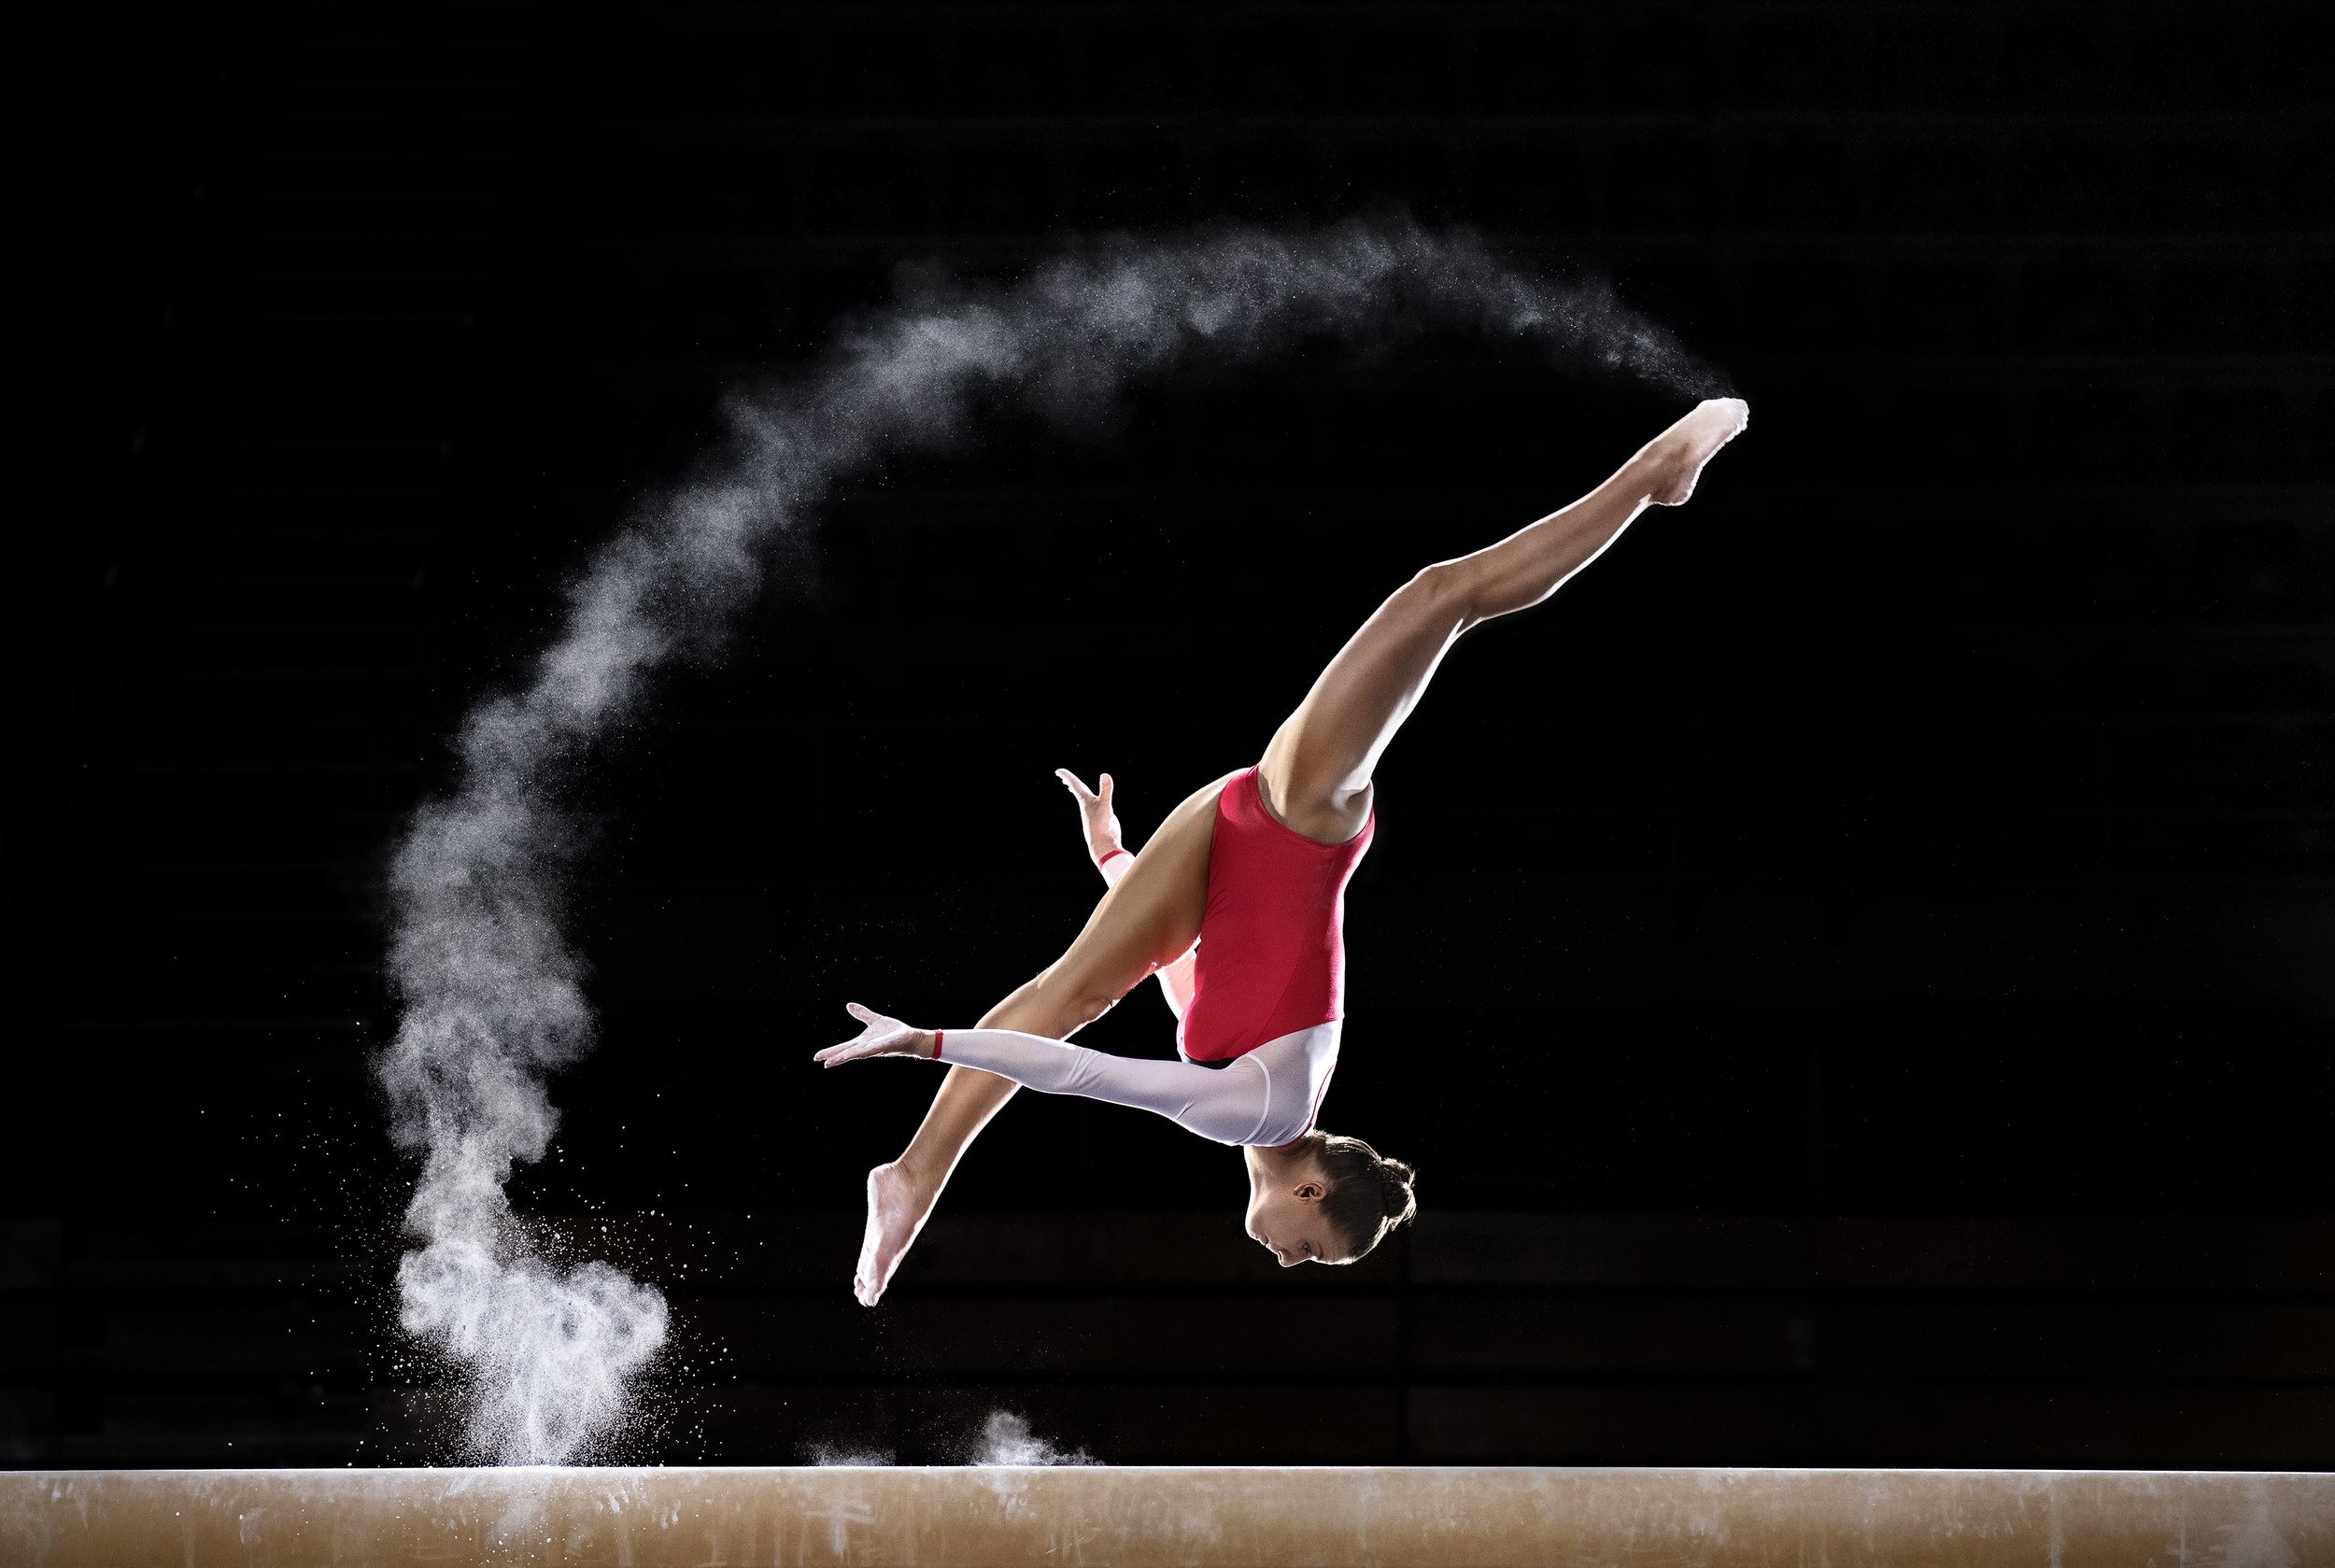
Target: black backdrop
x,y
1851,972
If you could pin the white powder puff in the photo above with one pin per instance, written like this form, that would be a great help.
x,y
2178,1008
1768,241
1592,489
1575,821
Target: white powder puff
x,y
1006,1439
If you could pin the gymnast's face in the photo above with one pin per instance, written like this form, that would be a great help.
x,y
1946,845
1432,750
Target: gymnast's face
x,y
1285,1214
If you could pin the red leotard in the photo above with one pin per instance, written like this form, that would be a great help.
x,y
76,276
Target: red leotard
x,y
1268,994
1272,958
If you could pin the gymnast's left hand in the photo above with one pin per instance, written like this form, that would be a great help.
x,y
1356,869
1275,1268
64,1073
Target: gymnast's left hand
x,y
882,1037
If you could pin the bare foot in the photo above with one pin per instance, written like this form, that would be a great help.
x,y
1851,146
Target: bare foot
x,y
1683,448
895,1212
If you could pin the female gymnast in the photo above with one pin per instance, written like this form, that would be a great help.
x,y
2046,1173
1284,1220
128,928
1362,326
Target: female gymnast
x,y
1236,904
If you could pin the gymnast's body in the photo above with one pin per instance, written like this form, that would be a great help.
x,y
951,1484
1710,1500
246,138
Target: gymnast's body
x,y
1236,905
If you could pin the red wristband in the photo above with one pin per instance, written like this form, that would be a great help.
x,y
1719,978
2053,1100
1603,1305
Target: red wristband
x,y
937,1035
1112,856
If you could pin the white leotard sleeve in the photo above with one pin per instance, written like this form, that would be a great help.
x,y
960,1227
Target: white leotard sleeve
x,y
1266,1099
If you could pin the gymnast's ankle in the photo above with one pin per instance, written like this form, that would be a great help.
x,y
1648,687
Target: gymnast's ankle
x,y
907,1172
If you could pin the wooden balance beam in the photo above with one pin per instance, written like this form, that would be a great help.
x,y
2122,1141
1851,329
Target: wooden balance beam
x,y
1142,1517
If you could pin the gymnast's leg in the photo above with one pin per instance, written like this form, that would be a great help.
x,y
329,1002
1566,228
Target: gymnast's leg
x,y
1146,922
1316,774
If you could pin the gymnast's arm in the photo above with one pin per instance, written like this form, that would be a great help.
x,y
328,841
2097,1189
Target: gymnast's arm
x,y
1112,858
1226,1105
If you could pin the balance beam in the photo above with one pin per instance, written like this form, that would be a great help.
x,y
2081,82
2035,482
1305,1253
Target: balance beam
x,y
1142,1517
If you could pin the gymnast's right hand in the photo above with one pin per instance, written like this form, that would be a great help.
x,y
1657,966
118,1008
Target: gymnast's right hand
x,y
1095,813
882,1037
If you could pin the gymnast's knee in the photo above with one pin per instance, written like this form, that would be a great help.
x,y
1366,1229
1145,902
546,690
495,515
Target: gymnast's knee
x,y
1445,591
1058,1011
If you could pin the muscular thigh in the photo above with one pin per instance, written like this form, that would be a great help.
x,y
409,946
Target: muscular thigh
x,y
1148,921
1315,776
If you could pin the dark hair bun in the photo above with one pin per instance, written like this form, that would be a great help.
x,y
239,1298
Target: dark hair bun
x,y
1394,1194
1370,1194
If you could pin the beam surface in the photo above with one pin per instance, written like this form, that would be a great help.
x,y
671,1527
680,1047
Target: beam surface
x,y
1159,1517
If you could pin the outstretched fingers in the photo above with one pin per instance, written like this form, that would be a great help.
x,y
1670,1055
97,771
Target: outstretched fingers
x,y
1097,800
879,1037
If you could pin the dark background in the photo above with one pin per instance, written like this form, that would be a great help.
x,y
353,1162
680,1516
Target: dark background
x,y
1852,974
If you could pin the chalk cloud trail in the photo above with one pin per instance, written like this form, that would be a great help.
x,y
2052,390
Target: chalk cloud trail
x,y
488,986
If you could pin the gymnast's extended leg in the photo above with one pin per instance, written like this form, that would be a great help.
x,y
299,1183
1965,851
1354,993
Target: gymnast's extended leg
x,y
1316,774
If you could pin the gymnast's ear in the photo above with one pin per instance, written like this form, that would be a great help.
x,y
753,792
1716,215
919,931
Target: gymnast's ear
x,y
1311,1189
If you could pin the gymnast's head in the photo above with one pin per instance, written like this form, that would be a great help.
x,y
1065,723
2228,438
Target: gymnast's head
x,y
1326,1199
